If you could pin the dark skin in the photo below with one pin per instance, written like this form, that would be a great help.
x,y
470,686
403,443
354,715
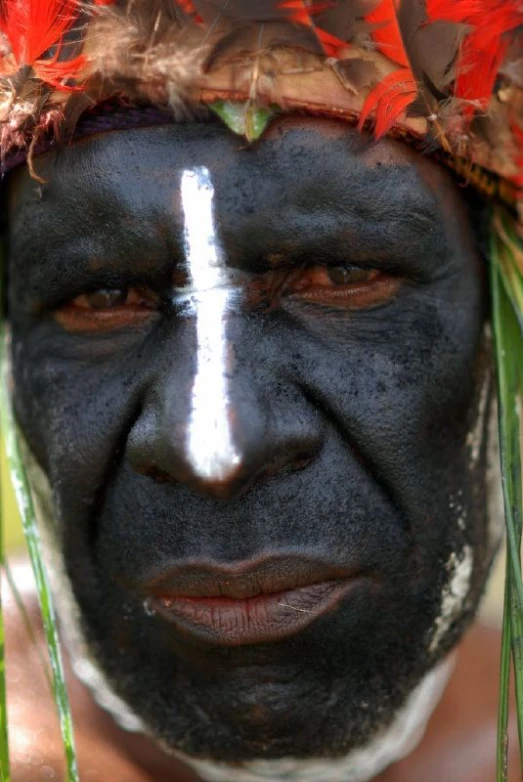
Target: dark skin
x,y
357,364
459,744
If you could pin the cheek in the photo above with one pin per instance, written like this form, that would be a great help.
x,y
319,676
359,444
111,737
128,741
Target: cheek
x,y
410,390
73,412
398,385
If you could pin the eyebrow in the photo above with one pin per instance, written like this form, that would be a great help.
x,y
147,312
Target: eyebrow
x,y
371,214
383,219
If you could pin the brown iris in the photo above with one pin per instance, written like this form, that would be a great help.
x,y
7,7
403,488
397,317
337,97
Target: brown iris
x,y
342,287
350,287
107,309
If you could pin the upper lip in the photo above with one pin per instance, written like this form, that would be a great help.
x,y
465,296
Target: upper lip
x,y
245,579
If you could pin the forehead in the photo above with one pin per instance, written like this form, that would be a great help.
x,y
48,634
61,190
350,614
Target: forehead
x,y
305,180
313,159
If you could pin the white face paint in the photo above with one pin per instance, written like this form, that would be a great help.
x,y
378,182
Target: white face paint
x,y
363,764
210,447
389,746
454,594
476,435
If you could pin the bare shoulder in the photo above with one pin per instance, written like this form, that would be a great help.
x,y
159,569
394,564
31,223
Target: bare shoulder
x,y
460,743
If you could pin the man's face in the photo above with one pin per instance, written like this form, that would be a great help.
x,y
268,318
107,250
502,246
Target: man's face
x,y
255,378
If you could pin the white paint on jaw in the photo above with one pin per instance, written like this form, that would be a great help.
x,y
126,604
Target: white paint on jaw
x,y
390,745
361,765
453,595
476,435
210,446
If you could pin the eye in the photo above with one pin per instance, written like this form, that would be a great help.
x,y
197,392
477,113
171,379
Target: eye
x,y
349,275
347,286
107,309
103,299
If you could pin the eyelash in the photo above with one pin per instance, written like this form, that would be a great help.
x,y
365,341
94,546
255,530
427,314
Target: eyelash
x,y
344,286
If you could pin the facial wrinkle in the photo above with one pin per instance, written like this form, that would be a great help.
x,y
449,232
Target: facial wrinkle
x,y
392,743
211,451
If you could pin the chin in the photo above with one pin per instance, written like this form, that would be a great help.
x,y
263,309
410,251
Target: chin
x,y
329,695
351,692
363,762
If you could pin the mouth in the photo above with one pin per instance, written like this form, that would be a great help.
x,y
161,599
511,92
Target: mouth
x,y
249,603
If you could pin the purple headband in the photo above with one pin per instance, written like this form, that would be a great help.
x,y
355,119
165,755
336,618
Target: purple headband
x,y
103,119
114,115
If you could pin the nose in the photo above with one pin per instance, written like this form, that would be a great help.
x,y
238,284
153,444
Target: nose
x,y
210,421
267,428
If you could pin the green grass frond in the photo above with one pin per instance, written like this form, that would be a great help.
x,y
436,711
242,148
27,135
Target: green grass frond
x,y
27,513
507,321
4,738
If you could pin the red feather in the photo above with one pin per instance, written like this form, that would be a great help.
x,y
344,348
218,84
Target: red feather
x,y
35,26
57,74
477,12
478,65
188,8
484,49
386,32
302,13
389,100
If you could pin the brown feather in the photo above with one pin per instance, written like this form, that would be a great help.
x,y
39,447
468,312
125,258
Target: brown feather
x,y
356,74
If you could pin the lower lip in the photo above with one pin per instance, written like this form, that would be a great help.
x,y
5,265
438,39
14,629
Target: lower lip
x,y
261,619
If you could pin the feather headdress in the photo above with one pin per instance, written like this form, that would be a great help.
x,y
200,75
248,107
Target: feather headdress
x,y
448,73
444,74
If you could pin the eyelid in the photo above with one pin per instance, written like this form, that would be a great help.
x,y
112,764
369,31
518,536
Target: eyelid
x,y
134,296
378,290
83,279
402,267
76,316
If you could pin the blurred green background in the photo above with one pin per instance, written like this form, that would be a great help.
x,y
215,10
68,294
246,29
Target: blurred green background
x,y
13,528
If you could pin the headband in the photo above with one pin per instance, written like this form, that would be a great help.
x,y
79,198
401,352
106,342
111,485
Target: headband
x,y
444,74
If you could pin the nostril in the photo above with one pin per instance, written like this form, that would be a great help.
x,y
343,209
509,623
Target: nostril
x,y
282,465
301,461
155,473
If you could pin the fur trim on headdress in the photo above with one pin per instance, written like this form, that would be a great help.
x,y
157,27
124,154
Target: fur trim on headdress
x,y
446,72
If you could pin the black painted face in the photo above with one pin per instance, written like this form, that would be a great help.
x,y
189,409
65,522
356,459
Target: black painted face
x,y
352,365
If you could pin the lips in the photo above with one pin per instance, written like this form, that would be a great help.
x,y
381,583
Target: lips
x,y
249,603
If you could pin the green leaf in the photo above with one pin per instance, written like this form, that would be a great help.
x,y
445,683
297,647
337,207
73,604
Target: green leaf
x,y
245,119
504,685
4,739
26,621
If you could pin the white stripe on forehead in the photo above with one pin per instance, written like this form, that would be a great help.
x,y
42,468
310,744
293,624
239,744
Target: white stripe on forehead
x,y
210,447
